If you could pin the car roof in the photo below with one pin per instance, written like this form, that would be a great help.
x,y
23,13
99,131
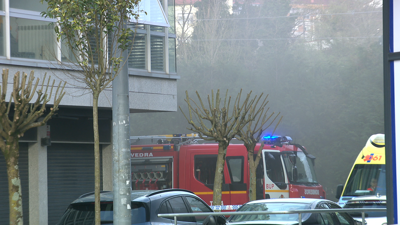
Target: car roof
x,y
136,195
368,198
289,200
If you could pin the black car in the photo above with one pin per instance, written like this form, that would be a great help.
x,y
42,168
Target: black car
x,y
291,204
146,205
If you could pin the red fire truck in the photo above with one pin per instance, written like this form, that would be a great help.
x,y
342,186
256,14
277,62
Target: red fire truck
x,y
286,170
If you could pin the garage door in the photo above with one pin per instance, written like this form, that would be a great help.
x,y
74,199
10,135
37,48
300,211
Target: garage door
x,y
23,172
70,174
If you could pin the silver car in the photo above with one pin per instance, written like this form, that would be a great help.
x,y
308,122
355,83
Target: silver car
x,y
291,204
374,201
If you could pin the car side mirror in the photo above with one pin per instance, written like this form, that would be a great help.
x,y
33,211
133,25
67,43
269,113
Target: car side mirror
x,y
339,190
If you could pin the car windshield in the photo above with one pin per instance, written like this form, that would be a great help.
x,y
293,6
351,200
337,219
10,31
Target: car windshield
x,y
304,165
270,206
367,204
83,213
366,179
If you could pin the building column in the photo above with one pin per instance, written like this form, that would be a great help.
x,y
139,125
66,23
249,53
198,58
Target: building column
x,y
37,162
107,157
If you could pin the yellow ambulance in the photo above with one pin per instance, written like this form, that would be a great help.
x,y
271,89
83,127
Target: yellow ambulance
x,y
368,174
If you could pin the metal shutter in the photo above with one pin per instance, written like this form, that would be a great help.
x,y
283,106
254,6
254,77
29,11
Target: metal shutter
x,y
137,56
70,174
23,173
157,53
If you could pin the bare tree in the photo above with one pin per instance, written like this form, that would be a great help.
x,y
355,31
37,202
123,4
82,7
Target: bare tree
x,y
209,41
250,137
18,113
185,24
95,32
216,123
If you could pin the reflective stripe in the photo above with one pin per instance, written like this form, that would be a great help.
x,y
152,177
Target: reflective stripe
x,y
266,191
154,147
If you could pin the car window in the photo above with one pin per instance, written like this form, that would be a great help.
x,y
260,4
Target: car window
x,y
270,206
326,217
198,206
83,213
165,208
178,206
343,218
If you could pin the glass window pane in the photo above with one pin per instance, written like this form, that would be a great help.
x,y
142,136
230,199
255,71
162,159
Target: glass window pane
x,y
1,5
32,39
171,16
67,54
33,5
274,168
198,206
137,57
205,166
235,166
157,52
157,28
172,55
361,178
2,32
180,207
135,26
151,12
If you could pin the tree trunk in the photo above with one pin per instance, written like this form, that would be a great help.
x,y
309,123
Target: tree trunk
x,y
96,159
219,174
11,155
253,178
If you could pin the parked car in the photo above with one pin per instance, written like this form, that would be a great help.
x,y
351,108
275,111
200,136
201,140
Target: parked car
x,y
146,205
290,204
374,218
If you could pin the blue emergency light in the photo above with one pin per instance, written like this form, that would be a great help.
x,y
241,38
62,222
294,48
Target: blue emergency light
x,y
277,139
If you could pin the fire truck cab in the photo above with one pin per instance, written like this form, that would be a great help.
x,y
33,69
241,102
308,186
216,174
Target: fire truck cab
x,y
286,170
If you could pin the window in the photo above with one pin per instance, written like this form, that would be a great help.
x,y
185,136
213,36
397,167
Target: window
x,y
172,55
2,32
326,217
33,5
171,16
235,166
274,167
198,206
343,218
83,213
137,57
180,207
32,39
205,168
361,178
32,36
67,55
270,206
157,53
165,208
304,165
